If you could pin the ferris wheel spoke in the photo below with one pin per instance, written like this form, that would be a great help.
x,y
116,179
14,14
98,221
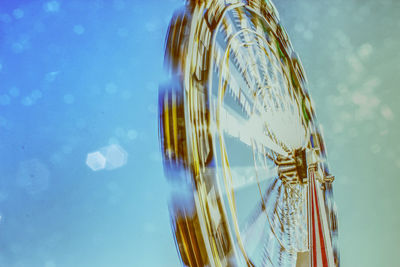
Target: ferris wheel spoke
x,y
248,132
249,41
268,216
246,92
259,207
236,62
236,87
276,213
236,77
239,63
253,235
239,49
245,176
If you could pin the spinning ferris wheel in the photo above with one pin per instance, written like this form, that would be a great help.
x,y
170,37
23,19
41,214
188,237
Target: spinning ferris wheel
x,y
241,144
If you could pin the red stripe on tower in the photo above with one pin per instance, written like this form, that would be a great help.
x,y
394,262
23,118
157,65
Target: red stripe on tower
x,y
320,246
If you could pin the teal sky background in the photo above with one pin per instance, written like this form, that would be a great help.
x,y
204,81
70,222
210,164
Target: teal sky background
x,y
349,50
76,76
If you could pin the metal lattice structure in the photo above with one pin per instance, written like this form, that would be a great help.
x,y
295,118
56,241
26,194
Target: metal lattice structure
x,y
241,143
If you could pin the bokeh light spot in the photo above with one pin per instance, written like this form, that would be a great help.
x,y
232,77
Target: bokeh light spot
x,y
132,134
51,76
27,101
96,161
387,113
79,29
14,92
115,155
69,99
36,94
18,13
111,88
51,6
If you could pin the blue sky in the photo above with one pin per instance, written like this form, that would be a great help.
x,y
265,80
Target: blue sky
x,y
77,76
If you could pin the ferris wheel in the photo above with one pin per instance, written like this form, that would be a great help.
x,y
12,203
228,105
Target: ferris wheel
x,y
241,144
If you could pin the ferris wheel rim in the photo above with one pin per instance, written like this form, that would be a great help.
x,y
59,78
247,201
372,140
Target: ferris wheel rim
x,y
196,134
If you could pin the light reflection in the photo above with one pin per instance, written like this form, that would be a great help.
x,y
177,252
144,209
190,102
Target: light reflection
x,y
110,157
79,29
51,6
18,13
96,161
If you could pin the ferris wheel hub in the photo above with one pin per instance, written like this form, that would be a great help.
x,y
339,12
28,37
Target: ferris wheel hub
x,y
239,137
